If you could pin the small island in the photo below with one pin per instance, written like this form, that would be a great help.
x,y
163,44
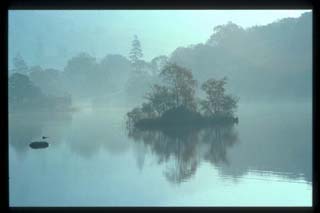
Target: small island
x,y
173,103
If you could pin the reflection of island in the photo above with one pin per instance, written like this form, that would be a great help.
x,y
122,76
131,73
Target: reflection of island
x,y
187,147
175,123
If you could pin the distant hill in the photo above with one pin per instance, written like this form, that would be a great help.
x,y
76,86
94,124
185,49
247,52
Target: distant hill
x,y
261,62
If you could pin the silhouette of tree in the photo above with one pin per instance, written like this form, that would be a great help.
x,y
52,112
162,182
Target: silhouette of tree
x,y
49,80
224,34
25,95
136,54
22,92
82,70
217,102
158,63
134,115
115,70
177,93
160,98
181,84
20,65
140,78
148,110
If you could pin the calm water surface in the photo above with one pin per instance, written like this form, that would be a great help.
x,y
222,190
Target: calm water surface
x,y
93,160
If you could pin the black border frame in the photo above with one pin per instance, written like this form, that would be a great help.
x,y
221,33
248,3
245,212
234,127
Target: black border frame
x,y
149,4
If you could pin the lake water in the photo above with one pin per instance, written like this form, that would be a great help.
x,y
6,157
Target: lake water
x,y
93,160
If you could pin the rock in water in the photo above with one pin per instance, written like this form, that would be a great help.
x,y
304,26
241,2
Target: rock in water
x,y
39,144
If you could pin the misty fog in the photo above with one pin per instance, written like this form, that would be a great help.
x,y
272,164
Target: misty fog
x,y
83,80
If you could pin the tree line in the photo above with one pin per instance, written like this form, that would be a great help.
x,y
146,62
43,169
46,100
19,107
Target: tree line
x,y
84,78
271,53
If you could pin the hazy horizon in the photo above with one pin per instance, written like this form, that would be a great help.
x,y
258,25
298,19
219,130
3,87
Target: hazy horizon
x,y
41,36
201,108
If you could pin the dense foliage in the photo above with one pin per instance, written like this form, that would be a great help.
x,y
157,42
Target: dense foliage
x,y
175,100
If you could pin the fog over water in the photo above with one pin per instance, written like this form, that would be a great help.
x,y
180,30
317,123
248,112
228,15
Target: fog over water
x,y
91,161
83,80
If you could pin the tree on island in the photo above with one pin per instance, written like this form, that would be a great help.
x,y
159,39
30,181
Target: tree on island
x,y
175,101
181,85
161,99
217,102
178,91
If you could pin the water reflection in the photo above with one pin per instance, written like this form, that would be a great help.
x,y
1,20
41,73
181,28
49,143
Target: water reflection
x,y
31,126
94,131
184,148
216,164
83,133
278,146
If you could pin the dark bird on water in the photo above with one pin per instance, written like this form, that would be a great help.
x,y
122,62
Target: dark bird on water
x,y
44,137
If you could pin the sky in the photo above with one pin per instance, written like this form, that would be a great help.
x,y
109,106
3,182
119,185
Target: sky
x,y
51,37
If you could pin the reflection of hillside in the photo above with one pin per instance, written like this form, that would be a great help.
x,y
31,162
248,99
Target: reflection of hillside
x,y
287,154
187,147
281,143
